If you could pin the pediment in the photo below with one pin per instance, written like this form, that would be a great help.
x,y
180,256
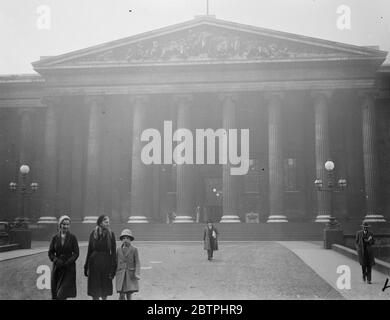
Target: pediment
x,y
208,40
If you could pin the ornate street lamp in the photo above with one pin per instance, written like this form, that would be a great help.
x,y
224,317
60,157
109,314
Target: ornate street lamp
x,y
23,188
331,186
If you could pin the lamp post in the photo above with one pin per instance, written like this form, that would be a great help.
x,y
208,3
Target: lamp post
x,y
331,186
23,188
332,232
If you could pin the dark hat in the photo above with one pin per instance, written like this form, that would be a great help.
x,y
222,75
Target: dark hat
x,y
365,224
209,221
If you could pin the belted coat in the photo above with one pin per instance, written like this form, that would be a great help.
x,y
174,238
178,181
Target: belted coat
x,y
63,256
127,269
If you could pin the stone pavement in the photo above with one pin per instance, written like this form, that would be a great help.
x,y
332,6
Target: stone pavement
x,y
36,247
172,270
325,262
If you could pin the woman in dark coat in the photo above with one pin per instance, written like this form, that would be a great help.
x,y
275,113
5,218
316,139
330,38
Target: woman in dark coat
x,y
63,252
210,239
100,264
364,241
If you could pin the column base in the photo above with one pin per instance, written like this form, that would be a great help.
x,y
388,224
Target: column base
x,y
230,219
137,219
90,219
183,219
374,218
277,218
47,220
323,218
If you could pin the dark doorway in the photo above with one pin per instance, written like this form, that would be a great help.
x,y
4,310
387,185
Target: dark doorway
x,y
214,213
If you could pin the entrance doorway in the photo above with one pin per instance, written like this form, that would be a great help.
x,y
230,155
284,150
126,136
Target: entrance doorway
x,y
214,213
213,199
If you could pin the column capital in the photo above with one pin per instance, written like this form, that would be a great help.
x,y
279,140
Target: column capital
x,y
368,93
138,99
94,100
177,98
52,101
228,96
321,94
270,95
25,111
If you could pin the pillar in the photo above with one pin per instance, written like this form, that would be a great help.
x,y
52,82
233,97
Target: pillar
x,y
50,161
229,182
322,152
25,158
184,171
91,202
369,158
138,168
275,158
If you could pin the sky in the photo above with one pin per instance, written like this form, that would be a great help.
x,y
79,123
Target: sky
x,y
26,32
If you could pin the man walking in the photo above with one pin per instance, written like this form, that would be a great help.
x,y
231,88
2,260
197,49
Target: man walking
x,y
210,240
364,241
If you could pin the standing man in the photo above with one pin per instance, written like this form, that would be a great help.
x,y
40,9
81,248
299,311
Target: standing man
x,y
210,240
364,241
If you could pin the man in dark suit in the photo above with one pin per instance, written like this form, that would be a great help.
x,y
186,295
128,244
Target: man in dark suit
x,y
364,241
210,240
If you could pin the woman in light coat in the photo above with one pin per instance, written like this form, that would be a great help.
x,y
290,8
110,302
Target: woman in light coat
x,y
128,269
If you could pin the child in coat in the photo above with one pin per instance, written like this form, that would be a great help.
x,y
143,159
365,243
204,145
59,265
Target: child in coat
x,y
128,269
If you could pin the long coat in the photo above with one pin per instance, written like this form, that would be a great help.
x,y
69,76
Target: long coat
x,y
101,265
365,257
210,243
128,268
63,276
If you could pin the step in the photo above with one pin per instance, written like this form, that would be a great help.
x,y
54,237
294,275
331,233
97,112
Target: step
x,y
9,247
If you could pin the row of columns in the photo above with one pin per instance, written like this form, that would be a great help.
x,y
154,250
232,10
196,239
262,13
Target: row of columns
x,y
185,202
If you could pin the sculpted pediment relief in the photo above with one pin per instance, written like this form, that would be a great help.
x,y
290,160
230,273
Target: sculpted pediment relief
x,y
206,42
202,44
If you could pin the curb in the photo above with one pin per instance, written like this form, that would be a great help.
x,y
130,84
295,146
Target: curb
x,y
380,265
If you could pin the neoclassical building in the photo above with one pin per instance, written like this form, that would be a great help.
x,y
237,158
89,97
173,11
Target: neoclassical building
x,y
77,124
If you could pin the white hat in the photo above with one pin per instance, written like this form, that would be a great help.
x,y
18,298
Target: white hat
x,y
128,233
62,218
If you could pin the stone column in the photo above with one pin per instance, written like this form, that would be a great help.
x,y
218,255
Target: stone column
x,y
91,202
322,152
229,182
79,145
275,158
50,162
138,168
25,158
369,158
117,156
125,159
184,172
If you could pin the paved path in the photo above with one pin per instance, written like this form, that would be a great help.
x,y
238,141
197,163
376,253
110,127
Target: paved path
x,y
241,270
325,262
174,271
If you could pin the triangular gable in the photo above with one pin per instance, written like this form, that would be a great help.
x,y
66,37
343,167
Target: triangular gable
x,y
208,40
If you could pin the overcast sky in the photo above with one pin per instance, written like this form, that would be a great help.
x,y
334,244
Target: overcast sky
x,y
77,24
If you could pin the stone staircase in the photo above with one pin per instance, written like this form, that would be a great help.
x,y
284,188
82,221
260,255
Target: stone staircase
x,y
194,232
298,231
